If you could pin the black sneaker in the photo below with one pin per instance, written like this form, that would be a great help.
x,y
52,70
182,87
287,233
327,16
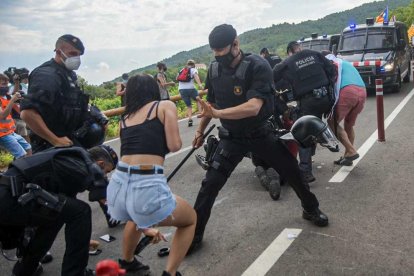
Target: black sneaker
x,y
190,122
89,272
195,245
135,265
316,216
165,273
308,177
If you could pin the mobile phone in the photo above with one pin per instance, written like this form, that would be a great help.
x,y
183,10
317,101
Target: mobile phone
x,y
107,238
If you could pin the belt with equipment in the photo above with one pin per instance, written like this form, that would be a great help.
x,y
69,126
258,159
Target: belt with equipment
x,y
14,183
144,169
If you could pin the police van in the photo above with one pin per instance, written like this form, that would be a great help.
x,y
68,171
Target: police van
x,y
320,43
378,50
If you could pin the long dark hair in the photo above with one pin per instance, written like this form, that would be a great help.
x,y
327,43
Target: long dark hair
x,y
140,90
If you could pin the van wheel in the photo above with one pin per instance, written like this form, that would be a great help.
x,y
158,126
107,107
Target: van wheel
x,y
407,77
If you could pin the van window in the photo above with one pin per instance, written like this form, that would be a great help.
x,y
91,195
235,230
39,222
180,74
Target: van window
x,y
378,38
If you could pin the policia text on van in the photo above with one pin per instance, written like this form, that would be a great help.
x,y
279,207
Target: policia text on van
x,y
378,50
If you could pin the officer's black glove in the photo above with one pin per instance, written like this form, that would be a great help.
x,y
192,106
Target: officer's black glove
x,y
111,222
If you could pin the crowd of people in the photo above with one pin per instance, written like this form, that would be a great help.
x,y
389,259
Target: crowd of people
x,y
69,158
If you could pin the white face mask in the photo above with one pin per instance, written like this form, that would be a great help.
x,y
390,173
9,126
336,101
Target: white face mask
x,y
71,63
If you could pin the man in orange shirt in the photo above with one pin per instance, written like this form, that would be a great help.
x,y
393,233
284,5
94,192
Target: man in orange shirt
x,y
9,140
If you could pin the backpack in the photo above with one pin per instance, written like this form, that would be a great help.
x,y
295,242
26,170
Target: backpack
x,y
184,75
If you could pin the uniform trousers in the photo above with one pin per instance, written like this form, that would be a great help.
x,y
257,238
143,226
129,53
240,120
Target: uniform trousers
x,y
76,215
229,154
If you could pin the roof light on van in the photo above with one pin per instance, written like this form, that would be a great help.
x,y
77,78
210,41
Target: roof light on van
x,y
369,21
385,23
352,26
314,35
324,35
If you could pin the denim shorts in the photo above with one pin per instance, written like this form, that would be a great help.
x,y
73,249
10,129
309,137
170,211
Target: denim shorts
x,y
15,144
187,95
145,199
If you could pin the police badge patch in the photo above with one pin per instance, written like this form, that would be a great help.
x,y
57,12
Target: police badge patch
x,y
237,90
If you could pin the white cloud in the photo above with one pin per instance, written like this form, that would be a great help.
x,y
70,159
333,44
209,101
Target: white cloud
x,y
103,66
132,33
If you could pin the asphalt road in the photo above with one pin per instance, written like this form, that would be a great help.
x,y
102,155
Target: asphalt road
x,y
371,212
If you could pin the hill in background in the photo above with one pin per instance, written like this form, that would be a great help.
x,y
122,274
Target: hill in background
x,y
276,37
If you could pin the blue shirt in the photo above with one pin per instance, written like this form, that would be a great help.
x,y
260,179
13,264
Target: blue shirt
x,y
350,75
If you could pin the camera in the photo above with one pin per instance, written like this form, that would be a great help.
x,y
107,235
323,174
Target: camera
x,y
22,73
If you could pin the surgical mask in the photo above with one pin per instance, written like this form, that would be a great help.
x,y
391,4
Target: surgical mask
x,y
24,86
4,91
71,63
227,59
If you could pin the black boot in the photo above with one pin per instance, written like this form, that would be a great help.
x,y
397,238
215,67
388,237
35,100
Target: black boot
x,y
316,216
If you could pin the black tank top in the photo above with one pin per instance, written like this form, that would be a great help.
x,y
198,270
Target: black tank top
x,y
145,138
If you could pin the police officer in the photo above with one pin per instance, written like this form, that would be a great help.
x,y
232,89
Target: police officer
x,y
271,58
311,77
240,94
56,107
40,191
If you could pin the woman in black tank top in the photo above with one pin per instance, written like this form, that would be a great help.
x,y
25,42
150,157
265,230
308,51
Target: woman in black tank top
x,y
138,190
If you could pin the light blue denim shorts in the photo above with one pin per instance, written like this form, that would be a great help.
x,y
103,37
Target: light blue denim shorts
x,y
146,199
15,144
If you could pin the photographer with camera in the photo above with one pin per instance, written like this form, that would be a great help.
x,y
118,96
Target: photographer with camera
x,y
19,78
40,192
56,109
12,142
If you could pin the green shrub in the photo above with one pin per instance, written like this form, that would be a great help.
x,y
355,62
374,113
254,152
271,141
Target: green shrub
x,y
5,158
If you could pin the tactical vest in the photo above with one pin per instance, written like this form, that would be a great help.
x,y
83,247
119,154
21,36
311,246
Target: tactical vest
x,y
76,173
7,124
73,101
231,90
307,73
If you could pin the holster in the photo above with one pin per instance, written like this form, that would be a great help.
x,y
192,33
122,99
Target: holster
x,y
224,133
15,184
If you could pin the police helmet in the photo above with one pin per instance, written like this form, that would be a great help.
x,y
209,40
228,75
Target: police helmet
x,y
309,130
90,135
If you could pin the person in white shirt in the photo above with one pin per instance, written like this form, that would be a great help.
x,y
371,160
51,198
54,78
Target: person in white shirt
x,y
188,91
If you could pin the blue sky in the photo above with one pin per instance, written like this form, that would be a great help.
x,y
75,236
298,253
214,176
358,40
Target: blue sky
x,y
123,35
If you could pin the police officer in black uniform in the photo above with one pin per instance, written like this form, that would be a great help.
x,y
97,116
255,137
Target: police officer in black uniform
x,y
56,107
311,77
240,94
271,58
40,191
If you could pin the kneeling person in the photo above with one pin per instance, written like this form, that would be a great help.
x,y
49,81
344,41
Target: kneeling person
x,y
40,191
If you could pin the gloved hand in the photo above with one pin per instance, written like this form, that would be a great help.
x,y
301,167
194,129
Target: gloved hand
x,y
111,222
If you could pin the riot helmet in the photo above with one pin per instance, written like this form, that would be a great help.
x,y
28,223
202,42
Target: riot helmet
x,y
309,130
90,134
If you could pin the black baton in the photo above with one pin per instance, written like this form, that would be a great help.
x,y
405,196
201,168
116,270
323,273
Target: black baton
x,y
188,155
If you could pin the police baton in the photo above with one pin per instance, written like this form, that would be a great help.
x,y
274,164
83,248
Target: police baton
x,y
188,155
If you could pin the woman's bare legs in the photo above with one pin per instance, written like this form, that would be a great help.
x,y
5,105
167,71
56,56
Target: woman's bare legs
x,y
184,218
130,241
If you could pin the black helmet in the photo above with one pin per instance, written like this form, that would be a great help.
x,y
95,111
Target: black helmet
x,y
309,130
90,134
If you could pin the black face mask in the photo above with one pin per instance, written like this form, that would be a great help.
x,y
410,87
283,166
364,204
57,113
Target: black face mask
x,y
3,91
227,59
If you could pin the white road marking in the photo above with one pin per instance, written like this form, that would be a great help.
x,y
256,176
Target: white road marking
x,y
272,253
345,170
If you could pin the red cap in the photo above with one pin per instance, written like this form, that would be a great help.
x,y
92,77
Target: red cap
x,y
109,268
